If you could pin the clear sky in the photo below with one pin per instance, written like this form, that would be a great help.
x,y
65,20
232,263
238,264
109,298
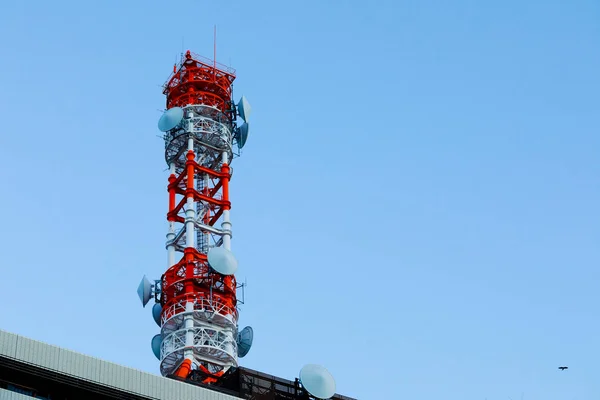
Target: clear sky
x,y
416,207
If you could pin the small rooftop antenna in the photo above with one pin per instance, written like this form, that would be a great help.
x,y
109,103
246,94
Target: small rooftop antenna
x,y
317,381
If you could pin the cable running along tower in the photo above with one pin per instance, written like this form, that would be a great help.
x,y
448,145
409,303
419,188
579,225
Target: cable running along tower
x,y
196,300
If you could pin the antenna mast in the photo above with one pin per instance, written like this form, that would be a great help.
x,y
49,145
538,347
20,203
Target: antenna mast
x,y
196,298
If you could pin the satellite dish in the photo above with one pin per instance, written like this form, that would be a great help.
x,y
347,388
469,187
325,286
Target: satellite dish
x,y
170,119
156,310
156,341
242,135
244,109
144,291
317,381
244,340
222,260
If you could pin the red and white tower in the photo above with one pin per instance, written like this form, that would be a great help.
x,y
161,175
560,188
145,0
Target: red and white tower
x,y
196,303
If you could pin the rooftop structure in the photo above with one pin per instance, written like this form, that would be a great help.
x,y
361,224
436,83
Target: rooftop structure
x,y
32,369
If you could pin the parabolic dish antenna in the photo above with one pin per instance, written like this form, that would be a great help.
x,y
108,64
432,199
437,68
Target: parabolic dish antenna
x,y
170,119
245,338
156,310
317,381
156,341
244,109
222,260
144,290
242,135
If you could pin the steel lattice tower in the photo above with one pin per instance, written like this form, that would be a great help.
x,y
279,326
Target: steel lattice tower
x,y
196,302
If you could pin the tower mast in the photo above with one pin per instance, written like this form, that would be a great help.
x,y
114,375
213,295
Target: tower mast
x,y
196,300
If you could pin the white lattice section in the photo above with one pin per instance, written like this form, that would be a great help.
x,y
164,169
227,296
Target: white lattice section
x,y
211,131
211,344
204,310
208,128
202,304
179,240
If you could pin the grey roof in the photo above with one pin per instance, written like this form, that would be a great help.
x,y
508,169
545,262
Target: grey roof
x,y
8,395
97,371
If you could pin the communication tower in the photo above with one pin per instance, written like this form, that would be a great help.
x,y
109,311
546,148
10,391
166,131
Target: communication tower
x,y
196,304
196,300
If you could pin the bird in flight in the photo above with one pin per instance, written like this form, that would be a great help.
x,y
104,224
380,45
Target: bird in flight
x,y
563,368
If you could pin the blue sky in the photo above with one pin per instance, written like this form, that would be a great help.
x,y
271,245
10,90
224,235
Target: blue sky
x,y
416,207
